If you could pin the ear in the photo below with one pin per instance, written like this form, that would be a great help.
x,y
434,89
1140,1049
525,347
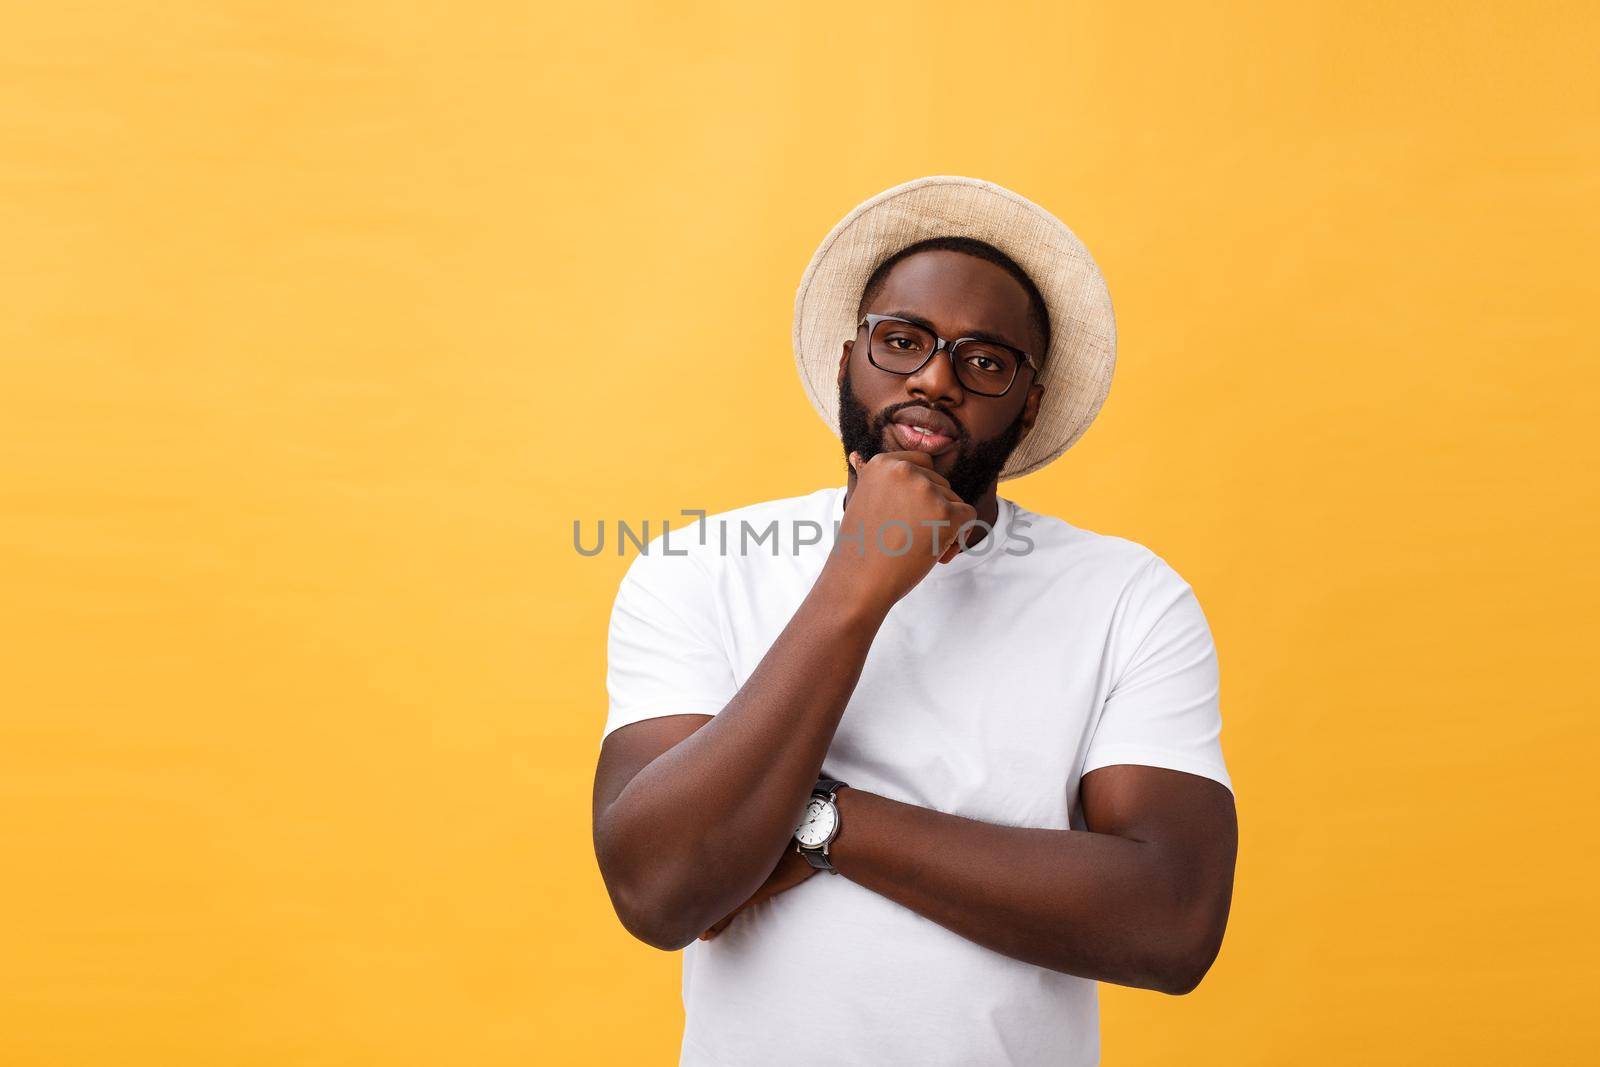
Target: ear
x,y
1030,409
844,362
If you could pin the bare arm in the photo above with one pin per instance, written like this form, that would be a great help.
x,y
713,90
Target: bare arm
x,y
1140,899
691,815
697,829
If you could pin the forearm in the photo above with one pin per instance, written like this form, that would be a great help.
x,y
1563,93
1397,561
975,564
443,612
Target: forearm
x,y
1093,905
698,830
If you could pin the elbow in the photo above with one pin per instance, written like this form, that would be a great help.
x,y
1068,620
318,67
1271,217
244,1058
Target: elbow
x,y
1196,918
643,909
648,904
1188,959
1181,979
641,893
643,916
654,932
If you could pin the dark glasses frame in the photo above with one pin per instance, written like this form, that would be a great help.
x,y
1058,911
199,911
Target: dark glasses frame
x,y
941,345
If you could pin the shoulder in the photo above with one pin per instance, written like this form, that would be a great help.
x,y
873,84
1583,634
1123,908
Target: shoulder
x,y
1107,566
1060,543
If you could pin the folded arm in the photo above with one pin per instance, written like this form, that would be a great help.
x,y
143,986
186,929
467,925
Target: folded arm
x,y
691,812
1140,898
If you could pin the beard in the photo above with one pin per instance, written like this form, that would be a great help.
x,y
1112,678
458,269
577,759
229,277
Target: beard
x,y
978,463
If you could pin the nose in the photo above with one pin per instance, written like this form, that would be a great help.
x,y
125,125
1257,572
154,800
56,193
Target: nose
x,y
936,380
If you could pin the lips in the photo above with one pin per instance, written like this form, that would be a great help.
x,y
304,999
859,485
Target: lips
x,y
924,430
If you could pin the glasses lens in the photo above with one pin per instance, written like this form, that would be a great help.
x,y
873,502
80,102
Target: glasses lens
x,y
985,368
900,346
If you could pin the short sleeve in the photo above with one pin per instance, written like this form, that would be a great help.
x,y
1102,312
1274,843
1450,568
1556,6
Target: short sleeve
x,y
664,650
1163,708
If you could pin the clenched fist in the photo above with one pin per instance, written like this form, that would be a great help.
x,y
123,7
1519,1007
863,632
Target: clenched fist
x,y
902,518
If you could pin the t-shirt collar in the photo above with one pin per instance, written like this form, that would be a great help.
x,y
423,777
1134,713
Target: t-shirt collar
x,y
992,545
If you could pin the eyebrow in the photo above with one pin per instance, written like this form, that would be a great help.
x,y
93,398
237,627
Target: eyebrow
x,y
976,335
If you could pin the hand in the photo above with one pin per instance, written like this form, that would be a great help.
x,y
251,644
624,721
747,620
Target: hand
x,y
893,491
791,870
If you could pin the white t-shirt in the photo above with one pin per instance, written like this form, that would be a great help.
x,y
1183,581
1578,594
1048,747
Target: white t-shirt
x,y
990,689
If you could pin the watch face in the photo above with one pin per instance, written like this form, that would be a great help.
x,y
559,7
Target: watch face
x,y
816,825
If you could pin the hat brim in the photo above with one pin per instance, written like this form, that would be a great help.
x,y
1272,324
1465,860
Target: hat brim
x,y
1077,369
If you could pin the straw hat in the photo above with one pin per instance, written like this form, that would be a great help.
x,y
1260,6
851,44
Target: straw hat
x,y
1083,345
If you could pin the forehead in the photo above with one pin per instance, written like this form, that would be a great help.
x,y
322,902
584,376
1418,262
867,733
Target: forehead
x,y
959,294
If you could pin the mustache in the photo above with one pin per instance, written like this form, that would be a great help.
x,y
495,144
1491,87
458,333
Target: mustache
x,y
882,419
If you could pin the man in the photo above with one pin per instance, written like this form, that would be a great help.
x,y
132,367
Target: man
x,y
997,732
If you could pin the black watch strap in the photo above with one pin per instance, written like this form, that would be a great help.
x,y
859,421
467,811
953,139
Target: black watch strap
x,y
817,858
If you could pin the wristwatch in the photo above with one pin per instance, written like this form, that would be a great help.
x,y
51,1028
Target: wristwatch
x,y
819,824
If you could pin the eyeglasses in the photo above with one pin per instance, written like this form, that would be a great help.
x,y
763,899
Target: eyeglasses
x,y
984,367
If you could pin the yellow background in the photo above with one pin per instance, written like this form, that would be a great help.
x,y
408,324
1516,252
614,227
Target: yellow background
x,y
323,322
